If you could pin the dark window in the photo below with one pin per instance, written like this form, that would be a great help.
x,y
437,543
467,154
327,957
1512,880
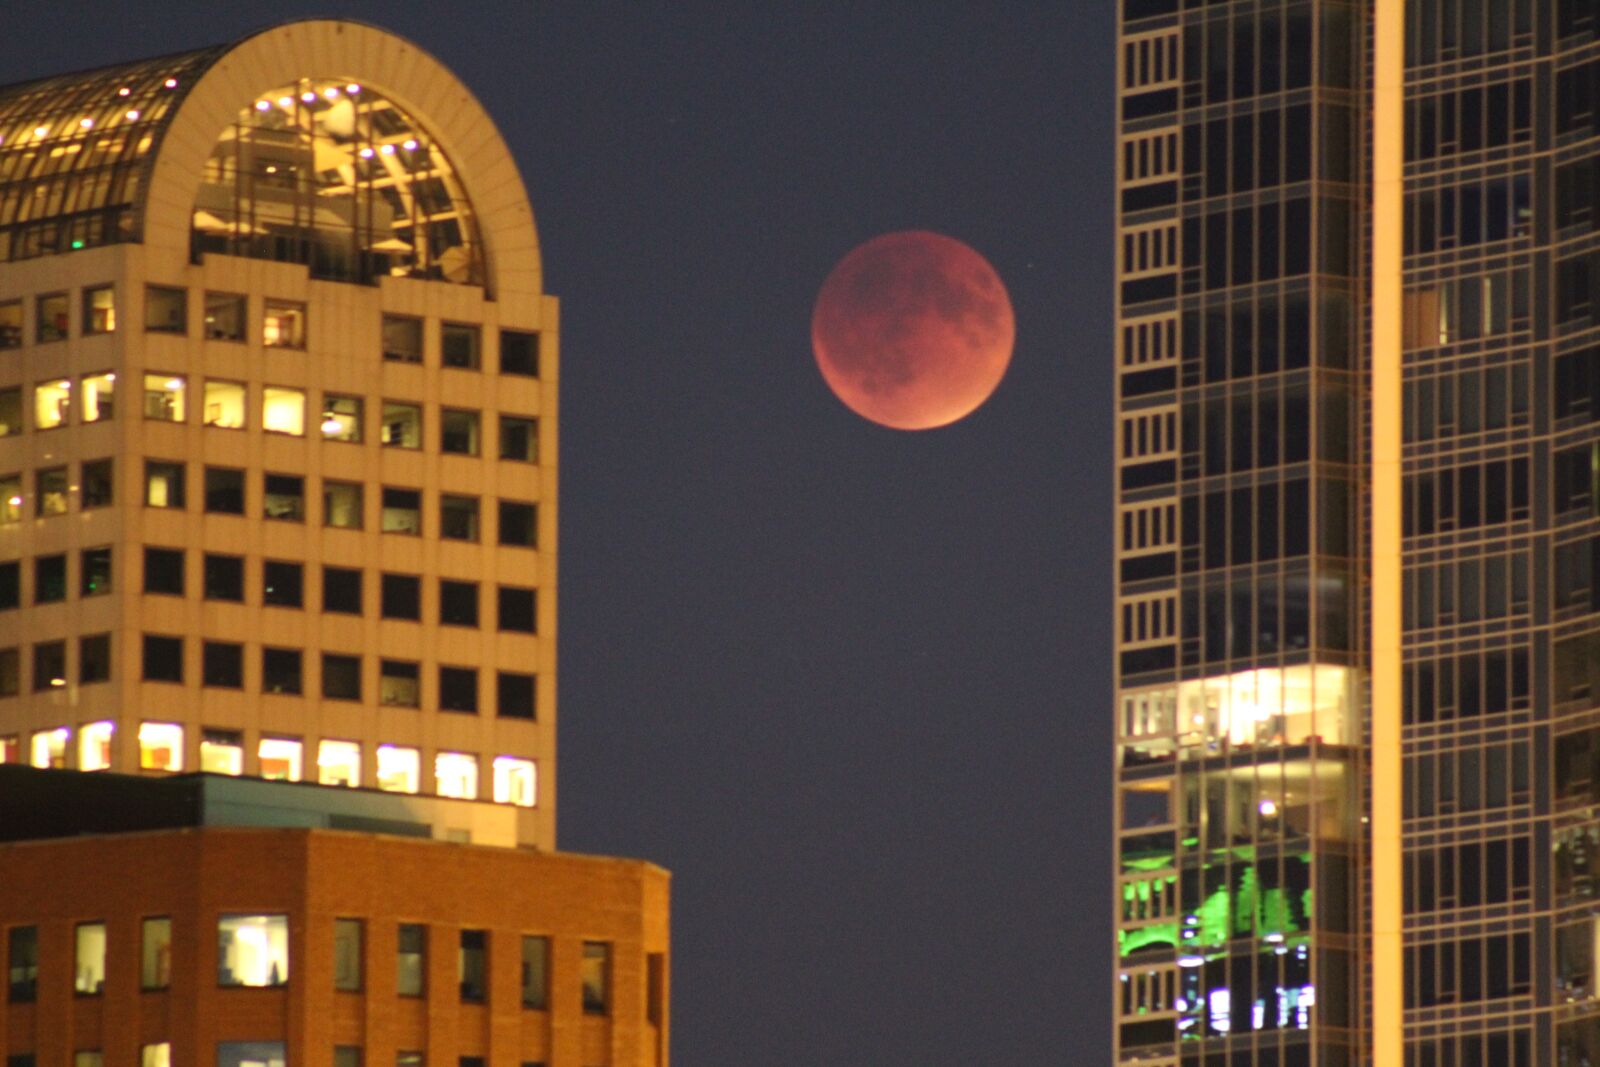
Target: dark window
x,y
402,511
596,976
163,658
94,658
225,490
22,964
224,577
458,345
10,585
94,572
163,571
285,497
458,689
222,665
282,584
341,590
163,484
225,317
519,439
166,310
518,609
535,972
280,671
399,684
51,321
402,339
10,673
514,695
458,517
458,432
474,966
98,489
49,666
341,677
458,603
51,489
401,596
341,504
519,353
518,524
412,957
49,579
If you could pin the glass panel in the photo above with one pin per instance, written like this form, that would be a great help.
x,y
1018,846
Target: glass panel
x,y
347,954
402,511
596,976
11,411
158,1054
250,1054
50,748
399,769
339,763
458,432
284,497
11,324
99,310
473,966
455,774
515,781
283,410
99,396
22,964
399,684
222,752
225,317
281,759
252,950
165,310
163,484
341,504
89,973
402,425
155,954
519,439
51,323
341,418
94,746
163,397
224,405
52,404
10,498
283,324
535,971
331,174
402,339
412,953
1269,706
160,746
458,345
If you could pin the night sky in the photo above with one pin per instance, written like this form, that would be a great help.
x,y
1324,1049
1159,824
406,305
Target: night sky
x,y
851,685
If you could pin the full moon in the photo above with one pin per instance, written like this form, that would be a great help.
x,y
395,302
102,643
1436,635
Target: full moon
x,y
913,330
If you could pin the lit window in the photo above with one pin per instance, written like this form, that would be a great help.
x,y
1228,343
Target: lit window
x,y
283,324
252,950
10,324
341,418
155,954
156,1054
284,497
10,411
94,746
222,752
283,410
89,971
402,338
519,439
98,488
52,404
10,498
224,317
402,511
163,484
347,954
455,774
412,950
88,1057
399,684
163,397
165,310
49,666
458,345
52,321
282,759
160,746
399,769
50,748
10,746
341,504
99,396
339,763
225,405
99,310
516,781
250,1054
51,495
458,432
402,425
596,975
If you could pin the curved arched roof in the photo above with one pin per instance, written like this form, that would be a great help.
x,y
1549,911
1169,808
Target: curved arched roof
x,y
116,154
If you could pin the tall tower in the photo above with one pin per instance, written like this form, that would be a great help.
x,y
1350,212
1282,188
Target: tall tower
x,y
277,426
1356,340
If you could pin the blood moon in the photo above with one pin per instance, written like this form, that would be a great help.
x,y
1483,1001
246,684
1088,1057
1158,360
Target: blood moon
x,y
913,330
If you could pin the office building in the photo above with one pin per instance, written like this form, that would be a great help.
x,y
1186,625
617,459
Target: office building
x,y
1358,596
277,425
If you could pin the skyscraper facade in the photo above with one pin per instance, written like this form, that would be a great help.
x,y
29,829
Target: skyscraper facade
x,y
277,425
1358,395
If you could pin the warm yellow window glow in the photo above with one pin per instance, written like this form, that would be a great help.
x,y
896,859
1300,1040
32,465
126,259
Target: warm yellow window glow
x,y
160,746
282,759
399,769
156,1055
50,748
1268,706
341,418
516,781
10,749
52,404
99,396
99,310
339,763
455,774
283,325
283,410
163,397
221,752
224,405
94,746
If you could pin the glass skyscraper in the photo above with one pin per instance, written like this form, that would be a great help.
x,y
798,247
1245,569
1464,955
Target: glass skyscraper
x,y
1358,533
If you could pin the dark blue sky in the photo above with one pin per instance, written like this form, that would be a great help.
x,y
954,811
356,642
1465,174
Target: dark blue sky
x,y
851,685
